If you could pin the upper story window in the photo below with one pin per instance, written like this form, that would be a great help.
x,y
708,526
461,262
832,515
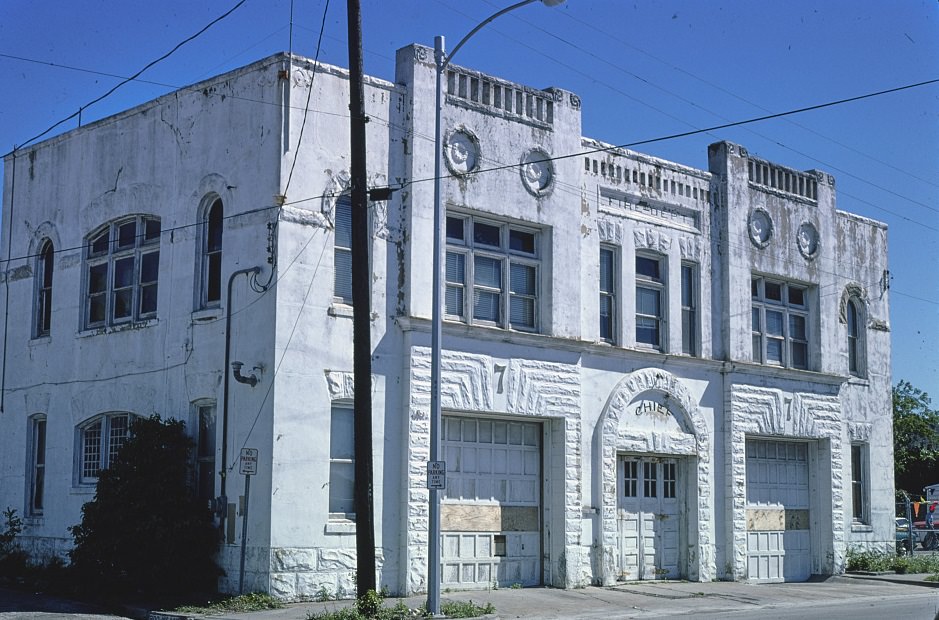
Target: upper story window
x,y
779,318
100,439
492,273
689,309
607,294
650,300
122,262
342,252
44,266
211,293
853,317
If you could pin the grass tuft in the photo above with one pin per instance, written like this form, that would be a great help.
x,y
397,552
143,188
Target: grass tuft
x,y
254,601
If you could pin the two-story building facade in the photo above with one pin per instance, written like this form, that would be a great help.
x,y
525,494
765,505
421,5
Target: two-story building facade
x,y
649,370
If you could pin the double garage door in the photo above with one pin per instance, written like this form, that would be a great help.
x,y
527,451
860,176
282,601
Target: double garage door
x,y
778,536
491,509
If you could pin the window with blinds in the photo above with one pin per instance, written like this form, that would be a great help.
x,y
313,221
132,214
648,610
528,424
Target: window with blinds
x,y
492,273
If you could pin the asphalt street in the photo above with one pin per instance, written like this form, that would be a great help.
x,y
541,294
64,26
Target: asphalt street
x,y
834,598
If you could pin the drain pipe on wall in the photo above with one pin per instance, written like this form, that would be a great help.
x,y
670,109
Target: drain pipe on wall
x,y
223,497
6,281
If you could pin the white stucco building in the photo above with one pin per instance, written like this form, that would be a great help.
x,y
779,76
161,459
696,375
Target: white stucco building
x,y
649,370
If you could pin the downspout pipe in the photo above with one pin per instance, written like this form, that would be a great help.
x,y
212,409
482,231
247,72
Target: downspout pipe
x,y
6,281
224,469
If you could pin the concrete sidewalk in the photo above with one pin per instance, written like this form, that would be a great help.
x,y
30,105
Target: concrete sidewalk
x,y
633,600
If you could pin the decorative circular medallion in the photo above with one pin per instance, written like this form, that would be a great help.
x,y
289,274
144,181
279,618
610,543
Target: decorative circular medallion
x,y
807,240
760,226
461,151
537,172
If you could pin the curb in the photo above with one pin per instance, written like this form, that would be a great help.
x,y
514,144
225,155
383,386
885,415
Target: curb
x,y
893,578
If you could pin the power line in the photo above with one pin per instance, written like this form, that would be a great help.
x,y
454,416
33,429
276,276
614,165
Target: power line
x,y
622,41
684,134
609,149
137,74
622,69
309,93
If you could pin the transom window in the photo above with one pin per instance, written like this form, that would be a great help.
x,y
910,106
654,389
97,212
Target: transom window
x,y
779,319
123,264
650,302
492,273
100,440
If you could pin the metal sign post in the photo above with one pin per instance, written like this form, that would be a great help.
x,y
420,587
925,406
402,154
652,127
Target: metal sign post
x,y
248,466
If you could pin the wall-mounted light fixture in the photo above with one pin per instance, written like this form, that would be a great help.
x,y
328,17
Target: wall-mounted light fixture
x,y
251,379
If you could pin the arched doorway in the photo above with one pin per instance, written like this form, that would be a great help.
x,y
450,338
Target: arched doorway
x,y
656,478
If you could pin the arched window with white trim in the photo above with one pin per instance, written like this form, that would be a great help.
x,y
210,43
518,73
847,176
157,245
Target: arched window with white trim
x,y
99,440
211,278
855,333
122,266
45,262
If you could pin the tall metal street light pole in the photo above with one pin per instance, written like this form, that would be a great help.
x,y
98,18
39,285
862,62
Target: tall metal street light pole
x,y
442,60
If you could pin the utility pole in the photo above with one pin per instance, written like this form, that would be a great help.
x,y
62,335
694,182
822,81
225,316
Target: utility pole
x,y
361,311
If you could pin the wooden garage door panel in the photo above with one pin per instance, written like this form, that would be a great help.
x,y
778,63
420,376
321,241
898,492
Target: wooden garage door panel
x,y
778,539
491,510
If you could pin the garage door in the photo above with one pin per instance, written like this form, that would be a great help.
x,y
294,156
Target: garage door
x,y
778,541
491,510
648,518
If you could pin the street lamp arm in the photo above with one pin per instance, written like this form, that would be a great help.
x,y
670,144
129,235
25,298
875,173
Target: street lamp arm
x,y
446,60
442,60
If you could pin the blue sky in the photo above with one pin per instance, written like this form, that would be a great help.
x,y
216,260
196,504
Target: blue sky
x,y
642,69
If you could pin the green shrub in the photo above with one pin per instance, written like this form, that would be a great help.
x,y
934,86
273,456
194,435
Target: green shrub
x,y
369,607
145,531
465,609
878,561
12,527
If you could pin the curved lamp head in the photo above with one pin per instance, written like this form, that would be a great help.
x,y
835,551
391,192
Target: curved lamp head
x,y
552,2
251,379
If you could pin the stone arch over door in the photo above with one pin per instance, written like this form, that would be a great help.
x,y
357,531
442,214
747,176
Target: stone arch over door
x,y
695,440
773,413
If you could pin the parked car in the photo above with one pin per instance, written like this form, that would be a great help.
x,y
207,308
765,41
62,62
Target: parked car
x,y
903,535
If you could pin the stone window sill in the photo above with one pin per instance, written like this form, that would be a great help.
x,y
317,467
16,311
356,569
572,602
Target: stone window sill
x,y
340,527
339,309
206,315
861,528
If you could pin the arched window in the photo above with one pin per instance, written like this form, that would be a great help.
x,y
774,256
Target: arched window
x,y
855,344
44,267
100,439
122,263
212,254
